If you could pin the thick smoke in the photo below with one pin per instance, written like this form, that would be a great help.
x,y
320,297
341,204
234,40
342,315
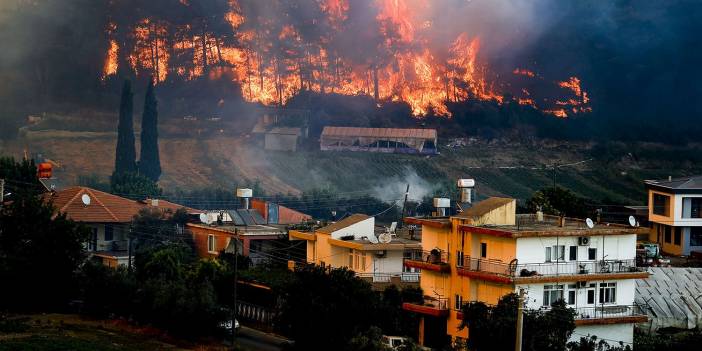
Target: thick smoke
x,y
394,188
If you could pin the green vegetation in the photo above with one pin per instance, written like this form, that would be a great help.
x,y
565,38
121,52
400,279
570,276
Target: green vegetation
x,y
134,186
149,160
125,156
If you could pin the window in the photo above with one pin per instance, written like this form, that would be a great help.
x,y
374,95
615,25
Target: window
x,y
483,250
591,294
458,302
211,243
573,256
592,254
357,260
692,207
552,293
677,237
695,236
666,234
109,232
555,253
571,293
608,292
459,258
661,204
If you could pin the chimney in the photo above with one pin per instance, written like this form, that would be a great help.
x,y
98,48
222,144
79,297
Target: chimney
x,y
154,202
441,205
466,187
244,194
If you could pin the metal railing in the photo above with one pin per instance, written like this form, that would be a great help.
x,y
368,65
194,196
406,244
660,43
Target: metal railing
x,y
431,257
440,303
405,277
549,268
608,311
115,245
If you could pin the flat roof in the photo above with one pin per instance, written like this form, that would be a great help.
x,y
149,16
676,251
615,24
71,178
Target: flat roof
x,y
689,184
244,229
527,225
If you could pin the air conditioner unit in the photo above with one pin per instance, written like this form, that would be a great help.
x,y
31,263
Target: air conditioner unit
x,y
584,241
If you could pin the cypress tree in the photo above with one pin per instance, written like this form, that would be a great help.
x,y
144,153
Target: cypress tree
x,y
125,157
149,162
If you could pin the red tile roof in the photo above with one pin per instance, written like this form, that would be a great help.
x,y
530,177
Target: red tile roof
x,y
103,208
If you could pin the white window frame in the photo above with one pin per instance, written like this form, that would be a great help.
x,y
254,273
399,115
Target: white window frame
x,y
458,302
551,291
607,293
211,243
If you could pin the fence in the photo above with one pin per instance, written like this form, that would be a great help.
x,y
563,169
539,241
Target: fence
x,y
549,268
600,312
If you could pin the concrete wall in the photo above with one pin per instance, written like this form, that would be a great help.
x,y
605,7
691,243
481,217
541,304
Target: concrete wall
x,y
611,332
626,289
612,247
359,230
390,263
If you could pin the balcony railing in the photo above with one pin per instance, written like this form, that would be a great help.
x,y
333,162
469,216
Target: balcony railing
x,y
405,277
116,245
608,311
524,270
431,257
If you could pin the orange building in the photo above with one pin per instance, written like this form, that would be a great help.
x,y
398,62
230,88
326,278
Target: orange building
x,y
488,251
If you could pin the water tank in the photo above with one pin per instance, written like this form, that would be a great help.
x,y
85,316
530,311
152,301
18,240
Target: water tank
x,y
466,183
442,202
244,193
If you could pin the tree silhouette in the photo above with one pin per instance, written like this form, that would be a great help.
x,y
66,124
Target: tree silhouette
x,y
125,157
149,162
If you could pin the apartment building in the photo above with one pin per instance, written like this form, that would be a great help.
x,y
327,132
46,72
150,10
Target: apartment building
x,y
488,251
675,214
353,243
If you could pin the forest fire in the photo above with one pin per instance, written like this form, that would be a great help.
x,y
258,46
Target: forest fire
x,y
272,58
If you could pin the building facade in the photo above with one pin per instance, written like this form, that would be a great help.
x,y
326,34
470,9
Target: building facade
x,y
675,214
488,251
346,244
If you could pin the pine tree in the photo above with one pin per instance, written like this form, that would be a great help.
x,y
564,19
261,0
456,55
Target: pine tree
x,y
149,162
125,157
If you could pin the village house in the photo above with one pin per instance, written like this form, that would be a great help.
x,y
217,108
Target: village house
x,y
675,214
488,251
354,243
109,218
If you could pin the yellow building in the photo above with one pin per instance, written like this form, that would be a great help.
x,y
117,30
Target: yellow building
x,y
488,251
354,244
675,214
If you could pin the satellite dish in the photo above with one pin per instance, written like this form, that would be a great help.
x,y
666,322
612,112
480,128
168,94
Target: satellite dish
x,y
590,224
372,239
204,218
385,238
86,199
632,221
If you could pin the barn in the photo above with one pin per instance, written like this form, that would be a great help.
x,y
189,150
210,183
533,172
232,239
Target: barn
x,y
388,140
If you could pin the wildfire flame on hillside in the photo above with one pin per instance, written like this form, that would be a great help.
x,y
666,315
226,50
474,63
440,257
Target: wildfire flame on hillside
x,y
271,62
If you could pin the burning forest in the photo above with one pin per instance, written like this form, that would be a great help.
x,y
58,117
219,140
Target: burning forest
x,y
390,50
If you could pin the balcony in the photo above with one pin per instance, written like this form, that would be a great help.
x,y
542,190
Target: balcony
x,y
501,272
384,279
432,306
434,260
610,314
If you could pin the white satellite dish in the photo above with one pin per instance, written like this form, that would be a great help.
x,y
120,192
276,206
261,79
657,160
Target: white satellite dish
x,y
590,224
204,218
372,239
86,199
632,221
385,238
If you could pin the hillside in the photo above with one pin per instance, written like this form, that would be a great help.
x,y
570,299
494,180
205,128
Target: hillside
x,y
614,173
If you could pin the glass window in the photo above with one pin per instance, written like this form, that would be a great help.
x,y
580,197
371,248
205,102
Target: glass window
x,y
459,258
592,254
590,296
483,250
695,236
660,204
666,234
692,207
555,253
608,292
552,293
677,238
571,293
211,244
573,256
109,232
458,302
548,254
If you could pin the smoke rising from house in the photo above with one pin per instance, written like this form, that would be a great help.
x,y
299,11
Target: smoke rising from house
x,y
394,188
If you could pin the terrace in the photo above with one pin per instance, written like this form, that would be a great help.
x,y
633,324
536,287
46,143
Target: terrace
x,y
432,306
434,260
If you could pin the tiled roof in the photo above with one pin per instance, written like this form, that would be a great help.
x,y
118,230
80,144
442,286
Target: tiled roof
x,y
103,207
483,207
379,132
348,221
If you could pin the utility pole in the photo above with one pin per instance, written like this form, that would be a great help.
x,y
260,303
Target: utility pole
x,y
520,321
404,206
236,282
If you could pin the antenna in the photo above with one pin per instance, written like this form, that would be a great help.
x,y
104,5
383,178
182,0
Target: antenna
x,y
590,224
86,199
632,221
385,238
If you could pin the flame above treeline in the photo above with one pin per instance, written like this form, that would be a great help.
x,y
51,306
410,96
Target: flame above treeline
x,y
272,58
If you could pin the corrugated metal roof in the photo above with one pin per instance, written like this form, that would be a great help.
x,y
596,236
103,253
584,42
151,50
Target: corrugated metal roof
x,y
379,132
671,297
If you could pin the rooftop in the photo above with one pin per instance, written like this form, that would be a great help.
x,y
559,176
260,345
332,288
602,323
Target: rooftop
x,y
348,221
679,184
528,225
482,208
380,132
256,229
